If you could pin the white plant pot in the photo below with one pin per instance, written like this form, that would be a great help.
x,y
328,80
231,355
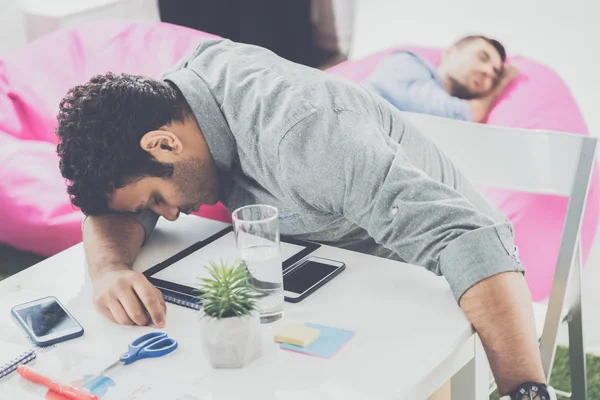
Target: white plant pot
x,y
231,342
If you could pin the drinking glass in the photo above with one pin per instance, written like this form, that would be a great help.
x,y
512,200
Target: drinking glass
x,y
256,230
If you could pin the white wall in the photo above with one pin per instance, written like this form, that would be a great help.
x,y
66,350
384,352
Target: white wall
x,y
562,34
12,29
559,33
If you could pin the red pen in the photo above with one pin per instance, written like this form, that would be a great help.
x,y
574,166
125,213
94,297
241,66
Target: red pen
x,y
69,391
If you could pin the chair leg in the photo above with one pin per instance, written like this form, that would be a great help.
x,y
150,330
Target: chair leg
x,y
577,361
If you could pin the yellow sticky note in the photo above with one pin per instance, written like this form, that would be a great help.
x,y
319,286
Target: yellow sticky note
x,y
299,335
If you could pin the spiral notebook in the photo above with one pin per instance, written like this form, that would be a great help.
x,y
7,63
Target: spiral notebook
x,y
12,355
181,300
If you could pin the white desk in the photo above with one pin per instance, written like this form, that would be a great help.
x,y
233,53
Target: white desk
x,y
410,336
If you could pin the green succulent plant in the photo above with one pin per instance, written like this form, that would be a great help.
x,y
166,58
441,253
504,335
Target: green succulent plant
x,y
229,292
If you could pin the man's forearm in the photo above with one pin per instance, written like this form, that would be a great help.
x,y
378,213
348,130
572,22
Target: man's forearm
x,y
480,108
111,242
500,310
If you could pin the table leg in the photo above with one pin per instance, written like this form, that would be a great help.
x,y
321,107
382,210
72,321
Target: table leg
x,y
472,381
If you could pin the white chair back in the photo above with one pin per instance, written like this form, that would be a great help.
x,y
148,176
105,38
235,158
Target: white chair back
x,y
534,161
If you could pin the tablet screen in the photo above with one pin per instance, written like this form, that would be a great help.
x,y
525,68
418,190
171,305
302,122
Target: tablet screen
x,y
189,270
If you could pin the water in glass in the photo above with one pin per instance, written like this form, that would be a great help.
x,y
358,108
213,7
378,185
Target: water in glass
x,y
257,238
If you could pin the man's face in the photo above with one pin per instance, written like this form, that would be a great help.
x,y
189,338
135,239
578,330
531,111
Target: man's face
x,y
472,68
193,183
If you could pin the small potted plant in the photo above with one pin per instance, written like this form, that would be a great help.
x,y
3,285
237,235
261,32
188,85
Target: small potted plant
x,y
229,318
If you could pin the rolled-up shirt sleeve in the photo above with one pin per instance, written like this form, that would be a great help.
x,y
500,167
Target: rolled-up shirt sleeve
x,y
368,178
148,220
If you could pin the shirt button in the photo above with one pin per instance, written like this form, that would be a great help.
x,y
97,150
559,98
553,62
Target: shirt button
x,y
394,210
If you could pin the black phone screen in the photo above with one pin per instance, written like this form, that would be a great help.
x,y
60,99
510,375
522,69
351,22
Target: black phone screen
x,y
308,274
47,318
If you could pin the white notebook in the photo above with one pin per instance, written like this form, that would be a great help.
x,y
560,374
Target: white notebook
x,y
12,355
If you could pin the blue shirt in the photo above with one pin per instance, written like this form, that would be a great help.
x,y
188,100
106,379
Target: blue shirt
x,y
412,84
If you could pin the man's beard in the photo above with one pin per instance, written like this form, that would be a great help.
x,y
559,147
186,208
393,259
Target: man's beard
x,y
195,181
459,90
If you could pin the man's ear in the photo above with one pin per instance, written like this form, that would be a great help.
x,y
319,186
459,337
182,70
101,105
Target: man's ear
x,y
163,145
449,51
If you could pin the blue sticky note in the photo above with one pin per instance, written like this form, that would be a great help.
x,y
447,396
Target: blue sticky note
x,y
330,341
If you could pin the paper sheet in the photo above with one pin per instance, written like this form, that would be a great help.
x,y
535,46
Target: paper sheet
x,y
330,341
147,379
102,343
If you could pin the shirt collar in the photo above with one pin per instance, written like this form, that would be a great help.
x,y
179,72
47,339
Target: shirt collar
x,y
219,138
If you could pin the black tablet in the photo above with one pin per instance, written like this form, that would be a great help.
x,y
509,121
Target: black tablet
x,y
179,275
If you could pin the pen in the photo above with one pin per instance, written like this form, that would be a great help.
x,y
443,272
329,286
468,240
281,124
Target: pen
x,y
69,391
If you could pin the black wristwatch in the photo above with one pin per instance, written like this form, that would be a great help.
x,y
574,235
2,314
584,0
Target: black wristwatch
x,y
531,391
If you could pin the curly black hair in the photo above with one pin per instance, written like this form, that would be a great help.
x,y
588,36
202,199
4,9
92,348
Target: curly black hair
x,y
100,124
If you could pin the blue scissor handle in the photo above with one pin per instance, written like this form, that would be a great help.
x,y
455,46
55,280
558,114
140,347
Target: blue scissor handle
x,y
153,344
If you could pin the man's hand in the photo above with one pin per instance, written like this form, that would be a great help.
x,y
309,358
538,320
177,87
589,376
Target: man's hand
x,y
481,107
510,72
126,297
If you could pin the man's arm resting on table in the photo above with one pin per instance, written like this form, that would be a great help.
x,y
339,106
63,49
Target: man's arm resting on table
x,y
501,312
112,242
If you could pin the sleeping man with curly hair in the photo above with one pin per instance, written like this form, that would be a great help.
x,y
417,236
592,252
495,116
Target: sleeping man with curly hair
x,y
236,124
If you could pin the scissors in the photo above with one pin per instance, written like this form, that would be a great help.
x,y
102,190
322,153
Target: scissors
x,y
150,345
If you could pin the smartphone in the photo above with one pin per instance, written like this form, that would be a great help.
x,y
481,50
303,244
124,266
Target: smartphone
x,y
46,321
309,275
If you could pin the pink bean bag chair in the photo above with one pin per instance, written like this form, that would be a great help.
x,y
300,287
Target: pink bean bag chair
x,y
538,99
35,212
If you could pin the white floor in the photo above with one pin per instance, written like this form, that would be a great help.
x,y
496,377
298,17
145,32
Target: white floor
x,y
558,33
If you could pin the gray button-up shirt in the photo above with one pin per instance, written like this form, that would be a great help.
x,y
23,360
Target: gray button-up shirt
x,y
341,164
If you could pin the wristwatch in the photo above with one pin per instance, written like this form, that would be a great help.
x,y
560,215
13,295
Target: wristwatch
x,y
531,391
